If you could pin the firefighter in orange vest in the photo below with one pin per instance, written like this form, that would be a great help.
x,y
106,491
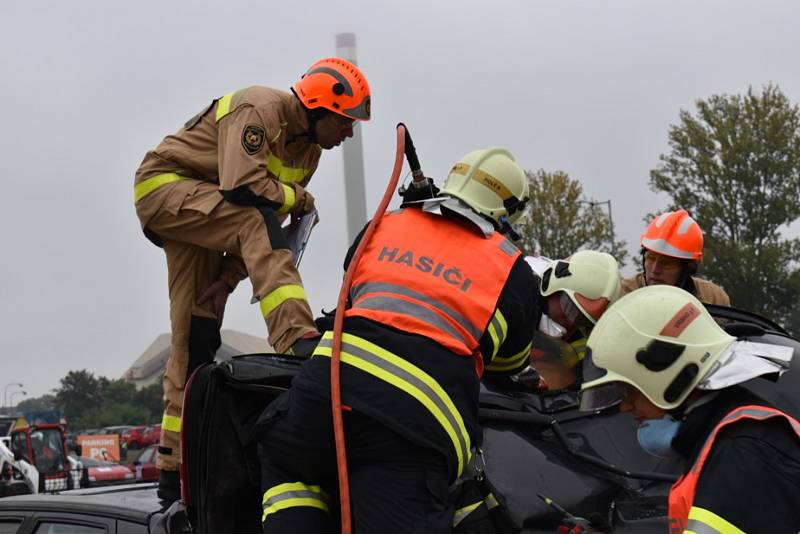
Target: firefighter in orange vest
x,y
439,297
214,194
672,249
660,353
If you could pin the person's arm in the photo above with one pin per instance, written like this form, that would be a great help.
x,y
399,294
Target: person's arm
x,y
747,485
244,150
518,307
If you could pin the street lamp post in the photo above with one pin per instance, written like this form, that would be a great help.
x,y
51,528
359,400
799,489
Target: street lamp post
x,y
610,220
11,397
5,392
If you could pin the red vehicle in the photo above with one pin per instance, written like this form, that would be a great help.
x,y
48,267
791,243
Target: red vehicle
x,y
144,468
138,437
43,446
100,472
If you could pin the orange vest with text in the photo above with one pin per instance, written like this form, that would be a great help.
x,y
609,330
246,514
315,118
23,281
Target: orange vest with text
x,y
433,276
681,495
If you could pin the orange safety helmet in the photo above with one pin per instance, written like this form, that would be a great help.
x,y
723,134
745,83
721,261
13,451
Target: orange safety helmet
x,y
674,234
337,85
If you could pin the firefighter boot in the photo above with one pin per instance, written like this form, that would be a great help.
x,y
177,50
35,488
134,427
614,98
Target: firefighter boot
x,y
169,486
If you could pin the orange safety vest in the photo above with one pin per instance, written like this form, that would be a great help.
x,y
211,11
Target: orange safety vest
x,y
681,495
429,275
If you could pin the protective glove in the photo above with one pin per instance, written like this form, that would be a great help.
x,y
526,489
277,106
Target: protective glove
x,y
530,379
304,202
304,347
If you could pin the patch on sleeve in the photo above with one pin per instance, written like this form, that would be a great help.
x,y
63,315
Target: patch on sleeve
x,y
253,138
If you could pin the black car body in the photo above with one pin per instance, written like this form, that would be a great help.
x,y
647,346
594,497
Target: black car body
x,y
590,463
131,509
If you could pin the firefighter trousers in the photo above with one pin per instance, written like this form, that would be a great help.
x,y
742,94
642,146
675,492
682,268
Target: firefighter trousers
x,y
396,486
195,227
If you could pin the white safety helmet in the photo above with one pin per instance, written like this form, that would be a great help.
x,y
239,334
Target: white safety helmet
x,y
589,278
659,339
490,182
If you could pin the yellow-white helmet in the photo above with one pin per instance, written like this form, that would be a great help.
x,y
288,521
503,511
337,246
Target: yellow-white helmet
x,y
490,182
590,278
659,339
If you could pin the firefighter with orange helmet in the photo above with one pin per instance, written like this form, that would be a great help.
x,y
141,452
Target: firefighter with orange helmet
x,y
672,249
213,195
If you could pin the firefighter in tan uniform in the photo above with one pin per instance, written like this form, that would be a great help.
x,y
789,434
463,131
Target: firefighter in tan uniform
x,y
672,248
214,195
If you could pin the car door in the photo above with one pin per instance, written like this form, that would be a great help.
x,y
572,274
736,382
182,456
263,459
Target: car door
x,y
11,522
69,523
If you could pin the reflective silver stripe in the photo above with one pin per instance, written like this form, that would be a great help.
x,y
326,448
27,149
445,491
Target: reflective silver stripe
x,y
661,218
508,247
696,527
462,513
417,311
383,287
498,330
451,416
286,495
662,247
685,225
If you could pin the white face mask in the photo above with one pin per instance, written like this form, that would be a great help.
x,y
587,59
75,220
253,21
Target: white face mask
x,y
550,327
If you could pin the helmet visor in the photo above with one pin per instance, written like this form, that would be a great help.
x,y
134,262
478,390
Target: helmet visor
x,y
600,396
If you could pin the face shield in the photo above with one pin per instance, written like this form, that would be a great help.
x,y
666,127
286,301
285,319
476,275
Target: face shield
x,y
603,395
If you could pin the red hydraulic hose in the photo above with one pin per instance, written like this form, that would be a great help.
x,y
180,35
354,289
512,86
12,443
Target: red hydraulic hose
x,y
336,392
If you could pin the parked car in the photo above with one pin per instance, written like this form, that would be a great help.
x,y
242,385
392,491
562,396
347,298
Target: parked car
x,y
101,472
135,437
132,509
144,468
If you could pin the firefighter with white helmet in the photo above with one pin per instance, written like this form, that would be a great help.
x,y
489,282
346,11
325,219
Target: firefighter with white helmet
x,y
660,355
439,296
574,293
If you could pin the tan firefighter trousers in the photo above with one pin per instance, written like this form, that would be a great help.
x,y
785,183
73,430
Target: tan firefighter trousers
x,y
195,227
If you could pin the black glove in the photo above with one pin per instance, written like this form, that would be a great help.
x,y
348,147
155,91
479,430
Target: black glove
x,y
529,379
304,347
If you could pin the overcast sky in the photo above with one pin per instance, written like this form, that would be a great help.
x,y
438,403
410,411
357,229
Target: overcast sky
x,y
87,87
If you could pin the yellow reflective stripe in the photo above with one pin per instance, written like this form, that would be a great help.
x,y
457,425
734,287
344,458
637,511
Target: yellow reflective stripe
x,y
145,187
498,337
281,295
700,517
171,423
284,173
223,106
292,494
290,503
406,386
462,513
288,199
510,363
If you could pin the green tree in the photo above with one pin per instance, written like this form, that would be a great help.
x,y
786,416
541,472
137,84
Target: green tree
x,y
45,402
734,164
80,392
559,220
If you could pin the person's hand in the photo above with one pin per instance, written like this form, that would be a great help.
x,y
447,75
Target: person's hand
x,y
304,204
216,296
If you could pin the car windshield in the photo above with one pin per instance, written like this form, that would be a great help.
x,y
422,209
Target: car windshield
x,y
47,450
92,462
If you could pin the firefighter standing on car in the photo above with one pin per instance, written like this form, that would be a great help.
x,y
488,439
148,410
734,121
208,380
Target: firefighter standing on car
x,y
672,249
660,353
438,297
214,194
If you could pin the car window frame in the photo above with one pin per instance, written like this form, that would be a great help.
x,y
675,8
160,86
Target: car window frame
x,y
70,518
